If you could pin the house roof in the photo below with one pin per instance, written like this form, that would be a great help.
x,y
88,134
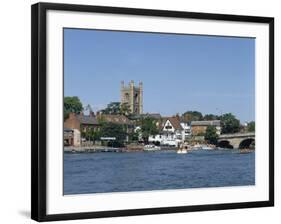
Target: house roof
x,y
118,119
87,119
174,121
156,116
205,123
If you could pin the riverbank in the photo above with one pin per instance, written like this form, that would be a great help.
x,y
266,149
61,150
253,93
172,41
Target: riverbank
x,y
93,149
96,149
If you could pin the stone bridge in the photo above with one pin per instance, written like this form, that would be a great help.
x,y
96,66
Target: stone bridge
x,y
236,140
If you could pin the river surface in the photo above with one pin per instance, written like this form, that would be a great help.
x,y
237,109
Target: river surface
x,y
141,171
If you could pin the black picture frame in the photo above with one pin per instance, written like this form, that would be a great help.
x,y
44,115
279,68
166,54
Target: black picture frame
x,y
38,116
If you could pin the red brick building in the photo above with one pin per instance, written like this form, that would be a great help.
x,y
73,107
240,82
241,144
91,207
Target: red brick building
x,y
81,122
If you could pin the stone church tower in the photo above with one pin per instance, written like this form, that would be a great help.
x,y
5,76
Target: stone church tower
x,y
132,96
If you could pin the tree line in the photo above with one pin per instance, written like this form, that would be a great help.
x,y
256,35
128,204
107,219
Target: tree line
x,y
229,123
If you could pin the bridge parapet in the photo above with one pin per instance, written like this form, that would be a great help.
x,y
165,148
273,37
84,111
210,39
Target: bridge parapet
x,y
237,139
238,135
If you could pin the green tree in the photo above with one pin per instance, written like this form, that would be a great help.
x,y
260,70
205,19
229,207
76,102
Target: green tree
x,y
112,108
133,137
118,131
71,104
210,117
124,109
211,135
148,127
117,108
251,126
189,116
229,123
91,134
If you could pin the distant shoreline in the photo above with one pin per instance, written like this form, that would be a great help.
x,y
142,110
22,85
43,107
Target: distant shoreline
x,y
95,149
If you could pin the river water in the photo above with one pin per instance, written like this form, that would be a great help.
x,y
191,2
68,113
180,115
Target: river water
x,y
141,171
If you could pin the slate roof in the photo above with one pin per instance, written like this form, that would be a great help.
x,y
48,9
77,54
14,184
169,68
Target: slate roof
x,y
118,119
86,119
206,123
156,116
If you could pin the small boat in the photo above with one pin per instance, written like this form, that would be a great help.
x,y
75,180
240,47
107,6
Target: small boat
x,y
151,148
208,147
197,147
245,151
181,151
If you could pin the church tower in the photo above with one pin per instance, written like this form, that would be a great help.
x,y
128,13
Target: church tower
x,y
132,96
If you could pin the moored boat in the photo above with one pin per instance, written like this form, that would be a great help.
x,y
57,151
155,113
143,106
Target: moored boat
x,y
151,148
208,147
244,151
181,151
197,147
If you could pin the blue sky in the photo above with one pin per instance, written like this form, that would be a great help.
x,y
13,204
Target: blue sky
x,y
179,72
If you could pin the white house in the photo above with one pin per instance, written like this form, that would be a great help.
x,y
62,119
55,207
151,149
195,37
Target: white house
x,y
173,132
186,133
71,137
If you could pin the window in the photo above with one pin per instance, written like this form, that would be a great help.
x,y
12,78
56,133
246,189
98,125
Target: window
x,y
127,96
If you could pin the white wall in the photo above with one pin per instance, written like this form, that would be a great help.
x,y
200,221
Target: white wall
x,y
15,110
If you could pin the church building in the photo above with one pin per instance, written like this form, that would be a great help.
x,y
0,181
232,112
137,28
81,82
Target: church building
x,y
132,96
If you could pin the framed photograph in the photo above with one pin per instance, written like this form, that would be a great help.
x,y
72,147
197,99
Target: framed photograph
x,y
140,111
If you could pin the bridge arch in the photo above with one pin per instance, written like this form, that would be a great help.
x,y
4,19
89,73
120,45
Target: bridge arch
x,y
246,143
225,144
237,140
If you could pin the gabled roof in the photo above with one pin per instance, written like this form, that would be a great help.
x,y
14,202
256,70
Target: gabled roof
x,y
175,122
206,123
86,119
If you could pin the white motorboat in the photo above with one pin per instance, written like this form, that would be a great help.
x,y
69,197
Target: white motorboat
x,y
182,151
207,147
151,148
197,147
